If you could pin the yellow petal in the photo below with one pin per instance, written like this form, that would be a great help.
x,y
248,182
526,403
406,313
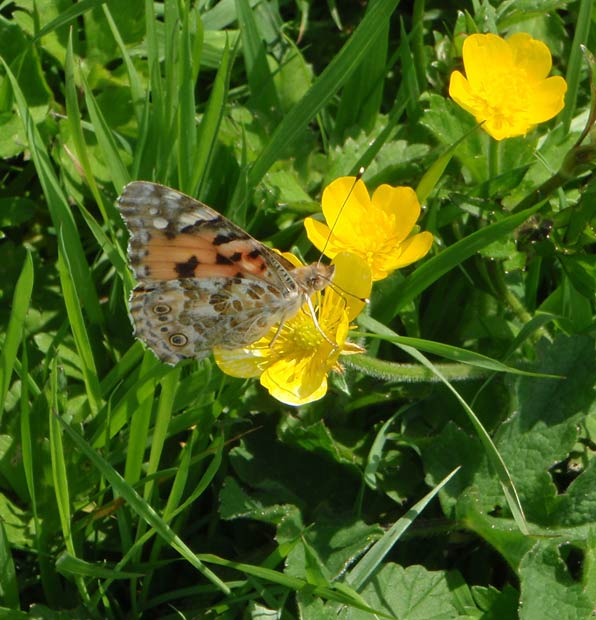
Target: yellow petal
x,y
290,257
351,348
413,249
548,99
484,55
347,195
242,363
461,92
353,279
295,381
400,202
531,55
514,125
318,234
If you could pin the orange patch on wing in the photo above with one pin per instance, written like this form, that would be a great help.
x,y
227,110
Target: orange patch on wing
x,y
195,256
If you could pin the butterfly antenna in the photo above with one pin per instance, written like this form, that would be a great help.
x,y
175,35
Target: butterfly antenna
x,y
331,284
336,287
358,177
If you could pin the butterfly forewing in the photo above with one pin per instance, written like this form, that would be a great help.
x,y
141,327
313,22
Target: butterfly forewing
x,y
202,280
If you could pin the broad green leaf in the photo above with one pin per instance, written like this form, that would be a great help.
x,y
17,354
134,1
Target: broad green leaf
x,y
413,592
547,590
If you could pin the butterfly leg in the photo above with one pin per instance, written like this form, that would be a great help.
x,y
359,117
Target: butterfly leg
x,y
313,316
277,333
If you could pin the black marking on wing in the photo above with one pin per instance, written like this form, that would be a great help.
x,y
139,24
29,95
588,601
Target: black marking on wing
x,y
187,269
220,259
171,231
202,223
231,235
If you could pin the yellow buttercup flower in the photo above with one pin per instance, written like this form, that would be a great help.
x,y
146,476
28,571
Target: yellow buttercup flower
x,y
293,364
506,86
378,229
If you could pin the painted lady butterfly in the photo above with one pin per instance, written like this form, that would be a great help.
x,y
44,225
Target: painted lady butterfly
x,y
202,280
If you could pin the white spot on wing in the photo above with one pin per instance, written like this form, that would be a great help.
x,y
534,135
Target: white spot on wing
x,y
160,223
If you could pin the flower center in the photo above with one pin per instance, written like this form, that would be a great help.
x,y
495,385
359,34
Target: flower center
x,y
303,334
504,98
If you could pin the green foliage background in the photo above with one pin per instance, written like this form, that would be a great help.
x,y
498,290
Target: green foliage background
x,y
129,489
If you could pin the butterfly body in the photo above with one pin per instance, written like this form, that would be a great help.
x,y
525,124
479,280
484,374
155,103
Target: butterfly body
x,y
203,281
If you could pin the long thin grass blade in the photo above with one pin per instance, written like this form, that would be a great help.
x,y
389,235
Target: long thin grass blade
x,y
14,333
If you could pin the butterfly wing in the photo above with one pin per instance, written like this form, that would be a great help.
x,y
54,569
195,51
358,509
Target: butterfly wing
x,y
202,280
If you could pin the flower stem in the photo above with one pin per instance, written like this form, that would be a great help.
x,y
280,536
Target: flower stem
x,y
500,287
393,372
578,160
494,167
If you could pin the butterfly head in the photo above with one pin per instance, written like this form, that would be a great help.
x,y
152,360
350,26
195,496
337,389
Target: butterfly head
x,y
313,278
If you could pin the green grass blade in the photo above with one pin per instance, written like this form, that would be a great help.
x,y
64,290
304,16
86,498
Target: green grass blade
x,y
155,132
169,513
371,561
260,80
206,479
454,255
409,77
492,453
59,471
14,333
580,37
58,207
222,14
27,441
68,15
118,172
139,429
112,251
9,589
419,58
75,124
432,176
373,149
144,510
362,94
137,388
374,458
174,506
463,356
339,593
169,386
68,565
187,132
326,85
137,92
126,364
210,123
137,441
79,329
